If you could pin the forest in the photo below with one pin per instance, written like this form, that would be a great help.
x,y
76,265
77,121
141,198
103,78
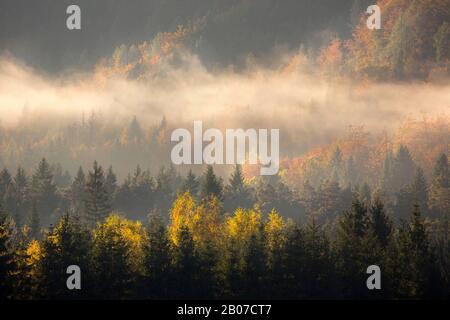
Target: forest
x,y
86,177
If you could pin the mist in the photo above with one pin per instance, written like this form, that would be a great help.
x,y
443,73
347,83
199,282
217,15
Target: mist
x,y
307,107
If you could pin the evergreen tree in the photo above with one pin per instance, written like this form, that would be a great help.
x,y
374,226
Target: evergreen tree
x,y
403,168
211,186
68,243
190,184
186,264
414,258
78,190
5,181
21,194
352,260
44,189
114,275
111,182
157,255
254,269
97,204
237,194
380,224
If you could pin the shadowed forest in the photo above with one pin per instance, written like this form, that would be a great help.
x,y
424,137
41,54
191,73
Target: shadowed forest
x,y
86,177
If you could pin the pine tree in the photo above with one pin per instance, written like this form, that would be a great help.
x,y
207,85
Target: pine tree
x,y
380,224
111,182
211,186
21,193
415,258
351,242
157,255
5,182
68,243
186,264
97,201
403,168
134,131
78,190
44,189
254,269
237,194
190,184
387,176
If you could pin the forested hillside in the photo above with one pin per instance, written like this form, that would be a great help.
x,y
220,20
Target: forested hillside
x,y
86,176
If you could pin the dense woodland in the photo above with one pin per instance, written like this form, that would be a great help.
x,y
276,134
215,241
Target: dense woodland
x,y
103,194
204,238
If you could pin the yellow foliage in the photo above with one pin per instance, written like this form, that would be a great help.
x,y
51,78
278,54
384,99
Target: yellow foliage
x,y
203,221
243,224
275,230
118,229
181,213
33,255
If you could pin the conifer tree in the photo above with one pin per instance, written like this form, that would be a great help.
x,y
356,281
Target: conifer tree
x,y
186,264
380,224
21,193
111,182
67,243
190,184
78,190
237,194
211,186
97,204
44,189
157,255
403,168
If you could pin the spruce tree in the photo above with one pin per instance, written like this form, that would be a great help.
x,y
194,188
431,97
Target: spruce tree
x,y
44,189
211,186
97,204
67,243
78,190
157,258
111,182
380,224
403,168
186,264
237,194
190,184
